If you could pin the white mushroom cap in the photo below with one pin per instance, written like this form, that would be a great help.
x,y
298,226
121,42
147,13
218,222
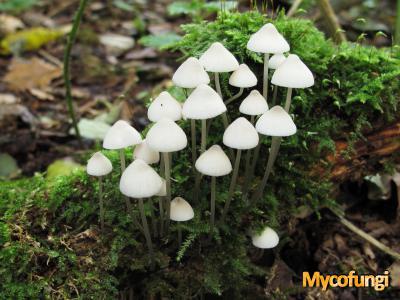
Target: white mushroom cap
x,y
214,162
240,134
254,104
276,122
121,135
203,103
145,153
218,59
243,77
181,210
164,106
266,240
166,136
98,165
268,40
293,73
190,74
139,180
163,191
276,60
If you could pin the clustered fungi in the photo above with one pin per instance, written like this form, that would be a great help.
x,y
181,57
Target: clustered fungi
x,y
203,103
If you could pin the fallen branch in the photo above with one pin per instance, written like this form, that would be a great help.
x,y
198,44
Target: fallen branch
x,y
332,21
370,239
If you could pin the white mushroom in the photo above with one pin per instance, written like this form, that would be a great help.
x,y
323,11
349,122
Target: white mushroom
x,y
240,135
164,106
145,153
267,40
213,162
242,78
267,239
181,211
99,165
190,74
293,74
166,136
277,123
274,62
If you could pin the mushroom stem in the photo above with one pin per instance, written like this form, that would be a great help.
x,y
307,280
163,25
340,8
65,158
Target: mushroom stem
x,y
203,135
101,203
161,208
146,231
217,84
193,135
153,218
212,218
234,97
265,78
248,166
275,144
122,159
168,185
288,99
179,236
254,161
275,95
233,183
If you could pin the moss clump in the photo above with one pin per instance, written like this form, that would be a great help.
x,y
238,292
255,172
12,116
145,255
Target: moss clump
x,y
49,232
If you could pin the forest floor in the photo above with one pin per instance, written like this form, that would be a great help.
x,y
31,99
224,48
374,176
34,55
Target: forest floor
x,y
116,64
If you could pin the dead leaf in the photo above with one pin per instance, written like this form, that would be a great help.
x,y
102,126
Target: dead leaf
x,y
8,99
42,95
394,270
30,74
10,24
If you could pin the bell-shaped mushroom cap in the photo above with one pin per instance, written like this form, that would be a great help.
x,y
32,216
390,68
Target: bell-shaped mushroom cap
x,y
98,165
145,153
268,40
139,180
218,59
190,74
181,210
240,134
254,104
276,60
214,162
266,240
166,136
164,106
203,103
276,122
293,73
243,77
163,191
121,135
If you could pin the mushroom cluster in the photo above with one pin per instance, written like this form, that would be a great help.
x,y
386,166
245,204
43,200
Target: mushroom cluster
x,y
203,103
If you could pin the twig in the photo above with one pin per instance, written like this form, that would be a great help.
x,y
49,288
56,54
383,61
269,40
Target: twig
x,y
67,59
332,21
370,239
294,7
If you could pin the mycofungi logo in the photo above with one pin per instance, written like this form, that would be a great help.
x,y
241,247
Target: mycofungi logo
x,y
378,282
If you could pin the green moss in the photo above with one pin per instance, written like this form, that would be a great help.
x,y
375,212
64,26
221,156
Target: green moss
x,y
51,244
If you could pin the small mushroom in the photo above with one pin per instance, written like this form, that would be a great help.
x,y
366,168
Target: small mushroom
x,y
217,59
277,123
190,74
204,103
144,152
181,211
99,165
164,106
274,62
293,74
267,239
242,78
166,136
213,162
253,105
140,181
267,40
240,135
120,136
